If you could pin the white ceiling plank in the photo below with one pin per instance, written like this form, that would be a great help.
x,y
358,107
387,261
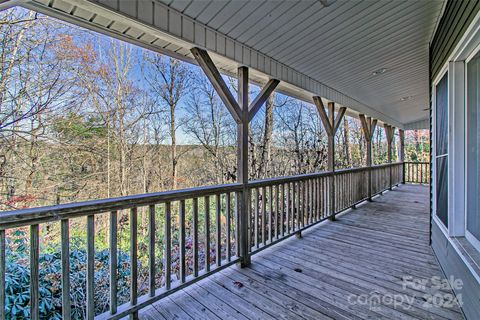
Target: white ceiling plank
x,y
311,35
341,34
376,34
272,27
239,17
211,10
196,8
313,21
262,24
228,11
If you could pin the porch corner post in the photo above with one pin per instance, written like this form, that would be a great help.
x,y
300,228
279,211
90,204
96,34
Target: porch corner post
x,y
389,130
401,152
242,165
331,159
369,165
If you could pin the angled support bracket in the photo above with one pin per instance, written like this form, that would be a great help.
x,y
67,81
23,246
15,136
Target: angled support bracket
x,y
368,126
223,91
331,124
243,113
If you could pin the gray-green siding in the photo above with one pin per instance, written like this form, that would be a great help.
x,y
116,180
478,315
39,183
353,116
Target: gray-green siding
x,y
453,265
456,18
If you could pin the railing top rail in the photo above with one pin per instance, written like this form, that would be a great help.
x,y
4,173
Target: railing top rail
x,y
23,217
417,162
384,165
286,179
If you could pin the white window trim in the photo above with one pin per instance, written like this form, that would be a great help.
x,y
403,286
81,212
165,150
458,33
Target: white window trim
x,y
470,237
434,149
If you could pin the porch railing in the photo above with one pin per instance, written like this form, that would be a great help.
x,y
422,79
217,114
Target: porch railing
x,y
192,233
417,172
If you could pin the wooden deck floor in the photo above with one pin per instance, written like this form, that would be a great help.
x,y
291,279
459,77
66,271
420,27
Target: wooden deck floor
x,y
337,270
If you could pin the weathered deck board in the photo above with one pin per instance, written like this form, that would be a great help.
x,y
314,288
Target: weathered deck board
x,y
364,253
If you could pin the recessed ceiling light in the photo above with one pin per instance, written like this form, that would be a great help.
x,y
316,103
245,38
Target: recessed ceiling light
x,y
406,98
325,3
379,71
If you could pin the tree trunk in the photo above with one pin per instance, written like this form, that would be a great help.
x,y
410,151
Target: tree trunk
x,y
346,142
173,148
267,138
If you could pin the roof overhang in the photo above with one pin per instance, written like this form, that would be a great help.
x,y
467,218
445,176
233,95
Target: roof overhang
x,y
173,30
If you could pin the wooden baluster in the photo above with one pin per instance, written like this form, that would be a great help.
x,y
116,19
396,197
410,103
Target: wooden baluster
x,y
168,245
65,257
34,276
277,210
282,210
133,260
207,233
218,229
308,200
304,203
255,222
299,205
151,250
264,215
228,212
90,266
183,263
318,192
237,229
270,215
2,274
195,236
289,207
294,206
113,261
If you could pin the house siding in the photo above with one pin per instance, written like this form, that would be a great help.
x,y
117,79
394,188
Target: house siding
x,y
453,266
455,21
456,18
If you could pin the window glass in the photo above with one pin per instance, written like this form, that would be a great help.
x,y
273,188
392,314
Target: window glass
x,y
442,116
473,146
441,126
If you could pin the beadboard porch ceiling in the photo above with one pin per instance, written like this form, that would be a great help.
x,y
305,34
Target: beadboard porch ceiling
x,y
370,56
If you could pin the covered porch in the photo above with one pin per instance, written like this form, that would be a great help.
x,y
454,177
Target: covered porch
x,y
337,244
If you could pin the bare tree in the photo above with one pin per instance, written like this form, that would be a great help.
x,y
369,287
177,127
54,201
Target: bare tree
x,y
168,78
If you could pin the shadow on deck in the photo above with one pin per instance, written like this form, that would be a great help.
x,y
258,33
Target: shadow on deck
x,y
353,268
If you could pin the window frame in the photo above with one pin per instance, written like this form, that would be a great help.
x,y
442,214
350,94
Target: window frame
x,y
433,158
466,49
474,241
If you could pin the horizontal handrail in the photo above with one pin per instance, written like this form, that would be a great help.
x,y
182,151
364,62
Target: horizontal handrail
x,y
25,217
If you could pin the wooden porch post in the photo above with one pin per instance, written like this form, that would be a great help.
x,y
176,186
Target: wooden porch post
x,y
242,164
243,113
331,125
368,128
389,130
401,151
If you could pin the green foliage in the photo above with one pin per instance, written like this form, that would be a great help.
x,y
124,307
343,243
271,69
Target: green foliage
x,y
50,303
74,127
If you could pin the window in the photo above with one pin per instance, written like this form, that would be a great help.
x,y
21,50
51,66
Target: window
x,y
441,153
473,150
